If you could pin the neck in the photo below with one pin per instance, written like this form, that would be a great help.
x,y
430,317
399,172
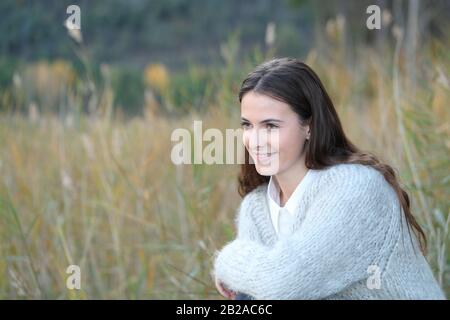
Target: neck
x,y
288,180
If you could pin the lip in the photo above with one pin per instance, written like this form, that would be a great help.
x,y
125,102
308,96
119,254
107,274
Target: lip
x,y
264,154
262,157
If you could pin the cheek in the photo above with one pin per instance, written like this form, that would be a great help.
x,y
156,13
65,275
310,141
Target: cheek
x,y
274,141
290,143
285,142
246,138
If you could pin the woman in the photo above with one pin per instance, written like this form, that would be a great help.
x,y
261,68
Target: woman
x,y
319,218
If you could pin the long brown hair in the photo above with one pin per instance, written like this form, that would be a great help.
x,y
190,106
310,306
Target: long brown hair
x,y
293,82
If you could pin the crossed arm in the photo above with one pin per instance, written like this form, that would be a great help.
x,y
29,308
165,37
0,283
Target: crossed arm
x,y
334,247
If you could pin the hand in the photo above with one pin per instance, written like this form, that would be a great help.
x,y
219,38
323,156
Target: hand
x,y
223,290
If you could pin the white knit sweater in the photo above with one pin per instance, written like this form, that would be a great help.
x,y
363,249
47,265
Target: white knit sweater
x,y
349,241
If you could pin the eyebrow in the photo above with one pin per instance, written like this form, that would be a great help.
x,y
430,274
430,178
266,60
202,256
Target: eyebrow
x,y
263,121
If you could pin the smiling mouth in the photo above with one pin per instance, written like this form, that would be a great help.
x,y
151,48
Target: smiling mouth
x,y
264,156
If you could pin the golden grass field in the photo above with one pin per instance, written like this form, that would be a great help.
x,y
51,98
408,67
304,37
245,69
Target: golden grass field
x,y
101,192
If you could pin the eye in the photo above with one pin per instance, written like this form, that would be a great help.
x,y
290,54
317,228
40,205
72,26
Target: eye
x,y
271,126
245,125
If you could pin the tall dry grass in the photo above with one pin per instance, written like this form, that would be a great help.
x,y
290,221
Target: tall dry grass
x,y
101,192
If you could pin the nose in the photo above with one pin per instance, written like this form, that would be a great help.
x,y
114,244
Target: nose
x,y
257,139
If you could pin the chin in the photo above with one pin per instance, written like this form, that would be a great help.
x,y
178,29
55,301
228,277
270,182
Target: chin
x,y
266,170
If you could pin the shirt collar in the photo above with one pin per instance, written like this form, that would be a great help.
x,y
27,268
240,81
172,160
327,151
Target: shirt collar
x,y
273,194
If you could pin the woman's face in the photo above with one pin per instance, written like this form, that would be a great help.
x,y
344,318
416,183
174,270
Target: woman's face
x,y
272,135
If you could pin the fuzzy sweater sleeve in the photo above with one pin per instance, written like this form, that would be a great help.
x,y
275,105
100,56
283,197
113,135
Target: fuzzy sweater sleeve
x,y
245,227
344,232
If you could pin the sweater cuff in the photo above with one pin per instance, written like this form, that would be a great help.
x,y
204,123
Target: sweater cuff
x,y
233,265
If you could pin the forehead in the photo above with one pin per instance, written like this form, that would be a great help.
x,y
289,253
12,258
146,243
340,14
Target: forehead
x,y
257,105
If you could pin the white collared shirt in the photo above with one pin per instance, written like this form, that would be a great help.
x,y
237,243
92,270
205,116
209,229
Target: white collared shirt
x,y
283,217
